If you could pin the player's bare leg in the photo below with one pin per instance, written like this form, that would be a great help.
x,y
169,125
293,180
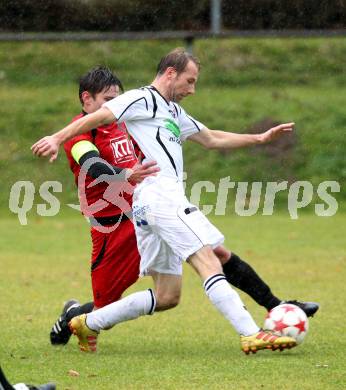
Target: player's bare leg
x,y
221,294
165,296
167,290
228,302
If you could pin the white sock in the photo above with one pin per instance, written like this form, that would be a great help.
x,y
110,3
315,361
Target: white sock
x,y
228,302
128,308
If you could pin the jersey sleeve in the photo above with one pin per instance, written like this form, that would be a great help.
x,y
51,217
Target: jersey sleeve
x,y
188,125
132,105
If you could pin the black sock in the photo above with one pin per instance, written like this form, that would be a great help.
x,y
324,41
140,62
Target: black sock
x,y
83,309
4,382
243,276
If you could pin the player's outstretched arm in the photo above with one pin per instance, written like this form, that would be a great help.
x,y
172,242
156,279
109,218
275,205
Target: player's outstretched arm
x,y
216,139
49,146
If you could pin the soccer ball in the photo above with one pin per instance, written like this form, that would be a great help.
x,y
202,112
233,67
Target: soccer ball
x,y
287,320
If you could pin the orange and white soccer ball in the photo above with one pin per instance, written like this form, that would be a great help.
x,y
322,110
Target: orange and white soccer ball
x,y
287,320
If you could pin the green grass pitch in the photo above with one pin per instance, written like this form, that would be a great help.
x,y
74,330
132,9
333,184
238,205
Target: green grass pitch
x,y
191,346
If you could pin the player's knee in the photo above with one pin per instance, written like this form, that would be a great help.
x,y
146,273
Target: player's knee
x,y
167,301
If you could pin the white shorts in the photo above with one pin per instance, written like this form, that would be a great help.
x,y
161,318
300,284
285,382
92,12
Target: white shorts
x,y
168,227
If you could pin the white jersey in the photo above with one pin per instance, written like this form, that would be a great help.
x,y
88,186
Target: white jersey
x,y
159,127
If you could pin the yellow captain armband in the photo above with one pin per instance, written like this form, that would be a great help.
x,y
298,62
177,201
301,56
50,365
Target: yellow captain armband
x,y
80,148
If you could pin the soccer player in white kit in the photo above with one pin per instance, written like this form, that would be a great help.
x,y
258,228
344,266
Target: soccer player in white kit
x,y
169,228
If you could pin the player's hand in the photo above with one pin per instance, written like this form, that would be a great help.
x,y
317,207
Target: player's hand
x,y
140,171
275,132
45,147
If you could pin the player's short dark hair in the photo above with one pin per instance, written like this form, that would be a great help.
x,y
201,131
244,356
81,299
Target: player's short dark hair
x,y
96,80
177,59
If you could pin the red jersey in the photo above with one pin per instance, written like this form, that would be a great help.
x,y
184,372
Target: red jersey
x,y
117,149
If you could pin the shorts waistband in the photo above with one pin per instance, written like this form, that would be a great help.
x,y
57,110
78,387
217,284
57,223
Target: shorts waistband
x,y
111,220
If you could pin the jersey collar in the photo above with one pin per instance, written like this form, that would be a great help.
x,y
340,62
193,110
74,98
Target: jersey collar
x,y
157,91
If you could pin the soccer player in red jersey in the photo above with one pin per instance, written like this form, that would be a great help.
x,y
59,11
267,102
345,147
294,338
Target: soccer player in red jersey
x,y
107,156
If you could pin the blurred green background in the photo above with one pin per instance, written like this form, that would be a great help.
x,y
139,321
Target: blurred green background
x,y
245,85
